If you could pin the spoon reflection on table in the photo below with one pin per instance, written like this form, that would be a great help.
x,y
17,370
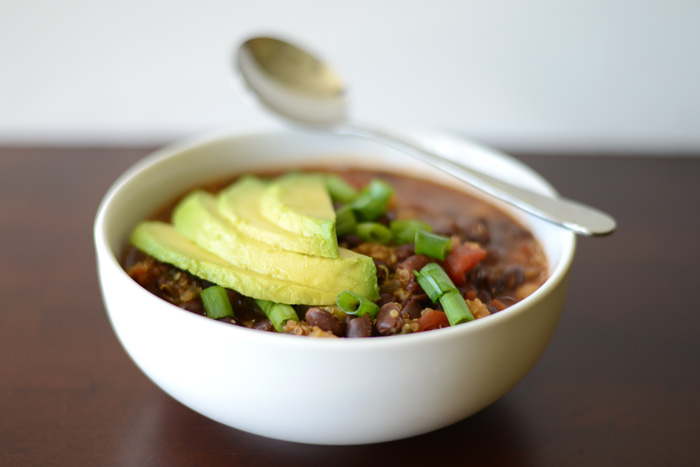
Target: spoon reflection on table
x,y
299,87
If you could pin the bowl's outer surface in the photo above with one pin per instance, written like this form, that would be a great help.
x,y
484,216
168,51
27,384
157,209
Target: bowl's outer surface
x,y
323,391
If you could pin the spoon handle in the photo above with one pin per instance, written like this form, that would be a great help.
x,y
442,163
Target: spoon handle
x,y
572,215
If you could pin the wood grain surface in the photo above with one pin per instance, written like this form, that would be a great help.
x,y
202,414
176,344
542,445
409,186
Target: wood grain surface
x,y
618,385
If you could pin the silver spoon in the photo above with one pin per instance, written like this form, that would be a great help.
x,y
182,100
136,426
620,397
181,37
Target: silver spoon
x,y
298,86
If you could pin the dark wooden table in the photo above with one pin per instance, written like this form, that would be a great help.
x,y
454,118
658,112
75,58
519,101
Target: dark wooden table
x,y
618,385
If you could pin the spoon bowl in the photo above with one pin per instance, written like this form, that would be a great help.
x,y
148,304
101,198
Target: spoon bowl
x,y
292,83
298,86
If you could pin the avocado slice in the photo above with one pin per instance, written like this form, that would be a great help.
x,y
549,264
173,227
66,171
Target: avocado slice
x,y
166,244
198,219
301,204
239,203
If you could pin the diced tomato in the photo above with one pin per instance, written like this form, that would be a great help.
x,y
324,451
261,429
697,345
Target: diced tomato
x,y
140,274
497,304
461,259
433,319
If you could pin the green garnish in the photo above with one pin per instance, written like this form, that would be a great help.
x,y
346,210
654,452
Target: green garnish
x,y
216,302
277,313
434,281
405,230
345,221
374,232
354,304
372,200
456,308
433,245
340,190
437,284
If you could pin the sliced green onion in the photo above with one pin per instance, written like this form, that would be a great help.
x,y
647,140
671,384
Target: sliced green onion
x,y
216,302
357,305
345,221
456,308
405,230
340,190
433,245
373,232
380,189
277,313
437,284
434,281
372,200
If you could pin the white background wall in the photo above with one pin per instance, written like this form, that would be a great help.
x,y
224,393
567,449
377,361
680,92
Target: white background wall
x,y
521,74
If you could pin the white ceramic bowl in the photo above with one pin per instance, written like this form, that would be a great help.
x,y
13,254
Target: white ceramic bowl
x,y
322,391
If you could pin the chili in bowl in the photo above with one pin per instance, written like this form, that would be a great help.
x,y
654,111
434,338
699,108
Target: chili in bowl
x,y
438,295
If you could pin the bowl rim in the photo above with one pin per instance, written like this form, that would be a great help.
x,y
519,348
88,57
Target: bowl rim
x,y
108,258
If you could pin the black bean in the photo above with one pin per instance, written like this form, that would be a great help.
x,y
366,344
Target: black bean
x,y
350,240
477,277
384,219
465,288
324,320
404,251
412,306
495,253
444,226
484,296
514,276
385,298
358,327
195,306
264,325
234,297
478,231
413,263
413,287
389,320
382,270
509,279
132,256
